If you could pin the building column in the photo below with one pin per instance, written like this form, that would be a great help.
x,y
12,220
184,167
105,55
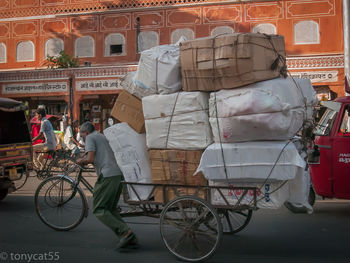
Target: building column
x,y
76,106
346,28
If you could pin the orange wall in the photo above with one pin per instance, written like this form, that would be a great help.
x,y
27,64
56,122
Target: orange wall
x,y
200,18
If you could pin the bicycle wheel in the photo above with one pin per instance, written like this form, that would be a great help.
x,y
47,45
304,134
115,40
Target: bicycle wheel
x,y
234,221
61,165
59,204
190,228
20,182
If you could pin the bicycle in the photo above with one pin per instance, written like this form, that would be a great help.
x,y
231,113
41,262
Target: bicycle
x,y
191,227
59,161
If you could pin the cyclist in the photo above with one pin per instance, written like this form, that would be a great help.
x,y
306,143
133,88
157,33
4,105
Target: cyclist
x,y
46,131
108,187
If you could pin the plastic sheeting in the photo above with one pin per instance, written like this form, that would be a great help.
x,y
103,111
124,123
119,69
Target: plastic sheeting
x,y
268,110
131,154
159,69
269,195
251,161
128,83
187,129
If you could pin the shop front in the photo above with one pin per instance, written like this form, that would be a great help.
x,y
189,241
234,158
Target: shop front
x,y
86,93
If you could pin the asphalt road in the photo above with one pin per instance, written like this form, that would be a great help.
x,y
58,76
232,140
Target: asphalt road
x,y
272,236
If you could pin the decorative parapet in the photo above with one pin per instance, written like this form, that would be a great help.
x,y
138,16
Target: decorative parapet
x,y
83,72
315,62
18,9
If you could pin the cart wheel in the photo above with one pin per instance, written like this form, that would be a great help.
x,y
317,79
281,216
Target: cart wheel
x,y
234,221
190,228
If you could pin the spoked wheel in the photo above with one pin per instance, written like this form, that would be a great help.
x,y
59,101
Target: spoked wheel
x,y
22,179
234,221
190,228
63,165
59,204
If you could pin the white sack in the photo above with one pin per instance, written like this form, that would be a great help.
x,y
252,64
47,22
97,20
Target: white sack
x,y
267,197
268,110
131,154
251,161
189,128
299,189
159,69
128,83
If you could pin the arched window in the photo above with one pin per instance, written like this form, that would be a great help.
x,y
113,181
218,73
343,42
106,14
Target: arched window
x,y
84,47
115,45
265,28
53,47
306,32
25,51
186,32
219,30
2,53
147,40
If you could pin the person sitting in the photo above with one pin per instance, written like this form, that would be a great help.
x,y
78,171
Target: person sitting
x,y
69,140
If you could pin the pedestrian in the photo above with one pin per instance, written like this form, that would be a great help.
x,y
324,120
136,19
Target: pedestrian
x,y
108,187
69,139
46,131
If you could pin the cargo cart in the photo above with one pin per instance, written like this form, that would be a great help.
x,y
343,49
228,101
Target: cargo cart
x,y
191,226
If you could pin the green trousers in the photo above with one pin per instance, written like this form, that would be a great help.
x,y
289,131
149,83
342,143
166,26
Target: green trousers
x,y
106,195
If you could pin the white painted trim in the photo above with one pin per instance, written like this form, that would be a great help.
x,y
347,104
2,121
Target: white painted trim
x,y
45,47
3,44
75,47
123,45
33,51
307,43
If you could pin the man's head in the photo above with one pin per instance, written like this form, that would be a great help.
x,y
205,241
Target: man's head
x,y
40,113
86,128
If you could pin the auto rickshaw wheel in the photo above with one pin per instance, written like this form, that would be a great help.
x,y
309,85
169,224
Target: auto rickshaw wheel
x,y
3,193
312,196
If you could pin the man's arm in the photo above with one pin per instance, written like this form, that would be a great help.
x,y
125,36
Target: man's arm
x,y
89,158
76,142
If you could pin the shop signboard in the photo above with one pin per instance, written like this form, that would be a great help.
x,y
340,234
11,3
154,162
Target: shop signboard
x,y
317,76
96,85
29,88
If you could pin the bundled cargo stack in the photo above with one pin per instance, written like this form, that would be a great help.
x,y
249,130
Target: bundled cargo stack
x,y
217,109
176,124
253,115
177,128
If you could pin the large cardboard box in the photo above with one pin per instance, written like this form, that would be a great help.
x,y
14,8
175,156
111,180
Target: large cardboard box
x,y
128,108
176,167
239,59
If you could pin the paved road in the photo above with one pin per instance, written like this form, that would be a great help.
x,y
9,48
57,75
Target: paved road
x,y
272,236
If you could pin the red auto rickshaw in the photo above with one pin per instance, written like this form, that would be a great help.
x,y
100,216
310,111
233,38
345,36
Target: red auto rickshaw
x,y
330,159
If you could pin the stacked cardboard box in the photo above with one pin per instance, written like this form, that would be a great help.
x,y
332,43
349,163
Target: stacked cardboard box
x,y
230,61
176,167
128,108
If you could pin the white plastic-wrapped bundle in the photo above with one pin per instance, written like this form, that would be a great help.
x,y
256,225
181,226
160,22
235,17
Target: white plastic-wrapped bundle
x,y
159,69
251,161
268,110
177,121
128,83
131,154
268,195
299,189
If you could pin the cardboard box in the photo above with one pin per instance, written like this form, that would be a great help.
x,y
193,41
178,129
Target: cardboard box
x,y
128,108
176,167
172,193
240,59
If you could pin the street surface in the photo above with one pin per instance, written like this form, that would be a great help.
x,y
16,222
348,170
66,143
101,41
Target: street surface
x,y
271,236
